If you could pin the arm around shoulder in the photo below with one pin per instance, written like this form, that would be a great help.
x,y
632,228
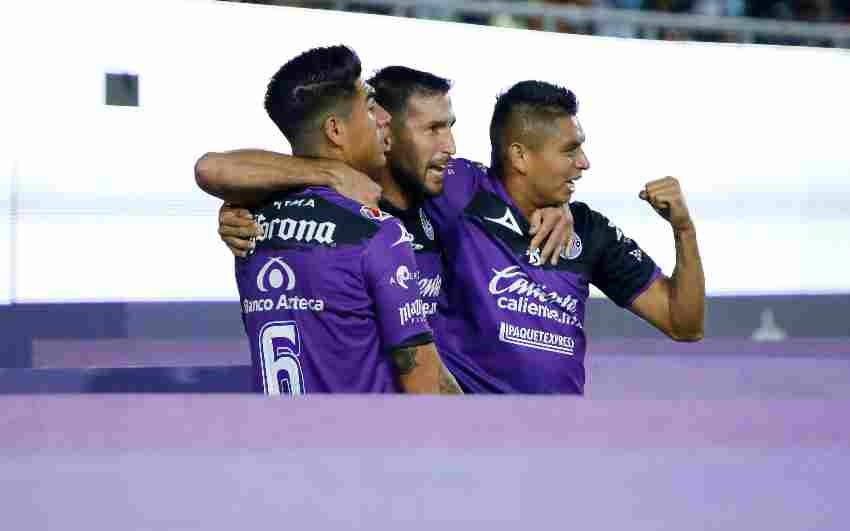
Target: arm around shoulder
x,y
246,177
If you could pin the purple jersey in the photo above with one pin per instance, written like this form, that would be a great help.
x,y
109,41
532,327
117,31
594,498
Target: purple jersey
x,y
510,323
428,256
327,293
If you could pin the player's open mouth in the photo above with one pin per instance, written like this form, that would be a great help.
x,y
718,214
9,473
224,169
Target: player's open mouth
x,y
437,169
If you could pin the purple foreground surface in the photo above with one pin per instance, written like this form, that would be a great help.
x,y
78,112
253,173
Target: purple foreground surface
x,y
225,462
75,353
716,368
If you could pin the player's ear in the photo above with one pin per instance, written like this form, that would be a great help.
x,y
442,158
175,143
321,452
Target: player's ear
x,y
518,158
334,129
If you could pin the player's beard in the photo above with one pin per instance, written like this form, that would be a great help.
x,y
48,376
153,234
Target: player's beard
x,y
412,187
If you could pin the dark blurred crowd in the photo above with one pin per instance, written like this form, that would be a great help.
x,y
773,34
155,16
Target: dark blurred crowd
x,y
834,11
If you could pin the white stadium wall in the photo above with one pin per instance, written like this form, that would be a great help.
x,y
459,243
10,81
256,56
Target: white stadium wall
x,y
107,208
7,170
5,233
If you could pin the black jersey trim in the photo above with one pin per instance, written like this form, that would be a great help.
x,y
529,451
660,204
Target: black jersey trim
x,y
416,341
508,225
414,220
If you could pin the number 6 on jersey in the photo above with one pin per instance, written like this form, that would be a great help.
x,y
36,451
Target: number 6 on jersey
x,y
280,345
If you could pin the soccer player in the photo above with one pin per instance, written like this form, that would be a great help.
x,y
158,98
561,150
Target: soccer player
x,y
327,298
422,146
525,332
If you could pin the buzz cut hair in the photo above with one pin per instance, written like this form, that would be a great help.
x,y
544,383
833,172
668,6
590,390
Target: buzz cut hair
x,y
526,114
309,88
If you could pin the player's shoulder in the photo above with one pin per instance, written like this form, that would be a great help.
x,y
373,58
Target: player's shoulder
x,y
584,215
392,233
593,223
591,227
466,174
377,216
382,225
317,216
600,231
580,210
463,177
460,164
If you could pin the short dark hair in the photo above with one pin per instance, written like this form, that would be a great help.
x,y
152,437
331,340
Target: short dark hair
x,y
308,88
523,112
394,85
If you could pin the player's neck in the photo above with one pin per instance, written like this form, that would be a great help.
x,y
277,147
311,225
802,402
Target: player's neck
x,y
519,193
324,151
392,192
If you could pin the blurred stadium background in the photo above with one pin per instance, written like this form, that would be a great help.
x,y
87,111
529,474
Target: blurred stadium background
x,y
112,278
785,22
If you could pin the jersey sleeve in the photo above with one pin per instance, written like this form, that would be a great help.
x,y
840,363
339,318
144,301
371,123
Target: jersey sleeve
x,y
392,279
622,270
461,179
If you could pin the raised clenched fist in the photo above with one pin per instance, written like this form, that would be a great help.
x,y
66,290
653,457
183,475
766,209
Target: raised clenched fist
x,y
666,197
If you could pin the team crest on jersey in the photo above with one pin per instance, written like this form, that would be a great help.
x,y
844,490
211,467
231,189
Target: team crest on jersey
x,y
374,213
574,250
426,224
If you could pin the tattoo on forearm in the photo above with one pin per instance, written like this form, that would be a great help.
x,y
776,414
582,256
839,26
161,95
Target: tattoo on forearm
x,y
405,360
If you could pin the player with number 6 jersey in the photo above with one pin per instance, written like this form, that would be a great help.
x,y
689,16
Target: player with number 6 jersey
x,y
330,299
329,290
